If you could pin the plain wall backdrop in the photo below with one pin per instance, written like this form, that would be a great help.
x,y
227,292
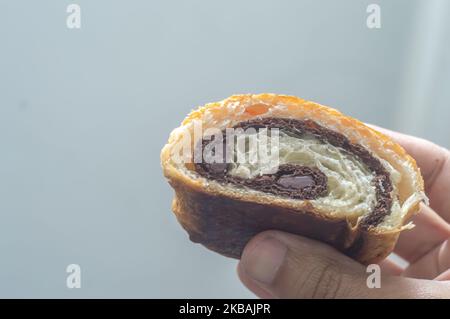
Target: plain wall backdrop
x,y
84,114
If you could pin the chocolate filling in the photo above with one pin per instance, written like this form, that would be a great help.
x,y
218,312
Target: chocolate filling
x,y
293,181
301,182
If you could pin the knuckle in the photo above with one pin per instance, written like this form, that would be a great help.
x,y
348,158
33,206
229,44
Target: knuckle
x,y
325,281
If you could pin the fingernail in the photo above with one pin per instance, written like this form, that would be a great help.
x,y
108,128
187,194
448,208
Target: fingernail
x,y
262,260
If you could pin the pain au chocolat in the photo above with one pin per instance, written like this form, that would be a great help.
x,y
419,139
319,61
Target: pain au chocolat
x,y
328,177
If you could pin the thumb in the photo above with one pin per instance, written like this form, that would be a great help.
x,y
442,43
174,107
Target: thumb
x,y
280,265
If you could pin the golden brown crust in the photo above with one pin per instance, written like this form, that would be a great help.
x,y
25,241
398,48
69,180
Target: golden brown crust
x,y
225,225
224,221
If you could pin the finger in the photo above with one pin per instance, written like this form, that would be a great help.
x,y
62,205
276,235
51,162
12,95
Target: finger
x,y
430,230
445,276
431,265
253,286
289,266
390,267
434,163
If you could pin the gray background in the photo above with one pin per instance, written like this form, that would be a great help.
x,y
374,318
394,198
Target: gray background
x,y
84,114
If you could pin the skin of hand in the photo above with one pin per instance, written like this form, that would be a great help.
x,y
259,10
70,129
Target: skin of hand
x,y
281,265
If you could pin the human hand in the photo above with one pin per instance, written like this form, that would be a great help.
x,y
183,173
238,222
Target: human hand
x,y
281,265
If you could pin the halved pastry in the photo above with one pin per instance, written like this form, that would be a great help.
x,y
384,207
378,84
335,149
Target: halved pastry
x,y
257,162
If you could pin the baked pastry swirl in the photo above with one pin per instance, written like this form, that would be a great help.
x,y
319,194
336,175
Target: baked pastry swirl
x,y
328,177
